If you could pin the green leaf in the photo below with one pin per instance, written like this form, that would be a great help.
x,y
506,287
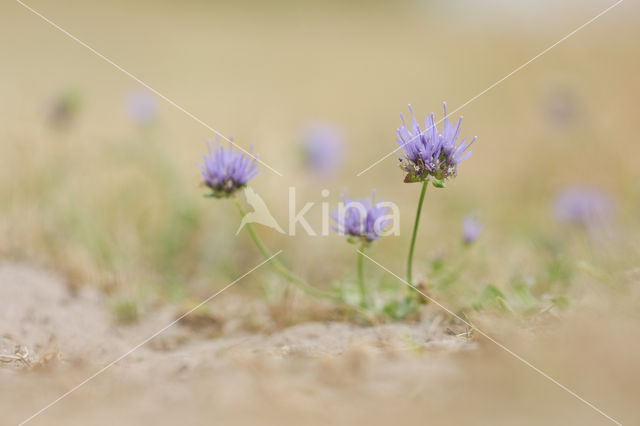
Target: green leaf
x,y
522,295
411,178
492,296
437,264
491,292
399,309
439,183
560,302
125,311
502,305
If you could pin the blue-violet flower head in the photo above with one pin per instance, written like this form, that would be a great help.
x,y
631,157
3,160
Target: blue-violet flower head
x,y
323,146
430,154
226,170
142,106
584,206
471,228
360,219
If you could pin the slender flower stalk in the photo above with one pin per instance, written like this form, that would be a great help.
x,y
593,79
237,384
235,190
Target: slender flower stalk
x,y
414,235
226,171
277,265
429,156
364,302
362,221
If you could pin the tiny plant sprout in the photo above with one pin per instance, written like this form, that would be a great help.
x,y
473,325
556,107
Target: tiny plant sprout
x,y
429,155
363,221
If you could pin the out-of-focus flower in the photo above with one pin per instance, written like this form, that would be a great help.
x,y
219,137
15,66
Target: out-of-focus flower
x,y
471,228
225,170
583,205
142,106
363,219
562,107
323,147
64,108
428,153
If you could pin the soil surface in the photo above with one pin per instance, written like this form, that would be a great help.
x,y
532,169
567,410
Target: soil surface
x,y
213,370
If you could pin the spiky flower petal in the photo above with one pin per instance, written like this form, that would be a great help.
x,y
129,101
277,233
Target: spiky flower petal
x,y
226,170
364,219
428,153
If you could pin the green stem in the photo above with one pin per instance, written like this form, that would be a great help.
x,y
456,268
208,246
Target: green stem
x,y
415,234
363,288
277,265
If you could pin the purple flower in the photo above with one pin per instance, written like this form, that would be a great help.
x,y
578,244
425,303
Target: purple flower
x,y
323,148
583,205
225,170
428,153
471,228
142,106
364,219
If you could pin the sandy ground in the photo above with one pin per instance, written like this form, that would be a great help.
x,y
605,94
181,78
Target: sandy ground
x,y
316,372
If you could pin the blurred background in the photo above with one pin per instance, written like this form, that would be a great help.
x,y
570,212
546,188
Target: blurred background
x,y
99,178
